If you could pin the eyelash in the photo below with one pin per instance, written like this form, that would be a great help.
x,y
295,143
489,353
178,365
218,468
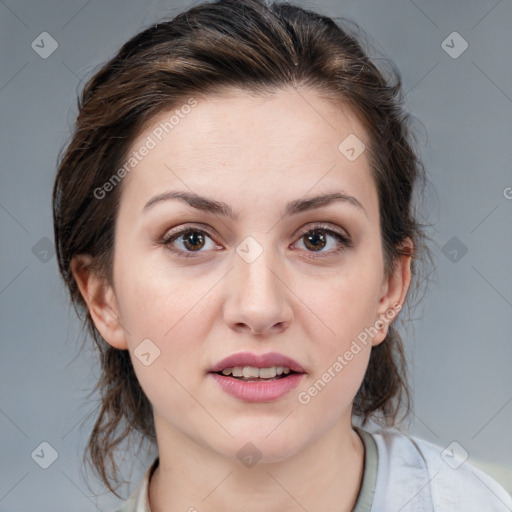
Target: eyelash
x,y
343,241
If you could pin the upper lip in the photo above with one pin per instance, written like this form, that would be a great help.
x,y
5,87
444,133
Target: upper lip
x,y
257,361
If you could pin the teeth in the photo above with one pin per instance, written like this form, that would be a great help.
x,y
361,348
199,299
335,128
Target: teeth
x,y
250,371
267,373
237,371
253,372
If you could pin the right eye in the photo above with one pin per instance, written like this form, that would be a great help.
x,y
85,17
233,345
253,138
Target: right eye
x,y
191,240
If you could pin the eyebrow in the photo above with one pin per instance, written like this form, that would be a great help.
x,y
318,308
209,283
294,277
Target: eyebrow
x,y
219,208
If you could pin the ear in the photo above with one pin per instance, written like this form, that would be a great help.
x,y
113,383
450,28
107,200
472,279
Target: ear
x,y
394,291
100,299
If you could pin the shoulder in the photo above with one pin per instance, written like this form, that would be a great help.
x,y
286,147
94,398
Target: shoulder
x,y
417,475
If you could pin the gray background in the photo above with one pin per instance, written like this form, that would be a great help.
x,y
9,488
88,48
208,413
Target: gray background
x,y
460,350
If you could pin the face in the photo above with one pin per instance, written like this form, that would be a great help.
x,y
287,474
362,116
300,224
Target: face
x,y
254,267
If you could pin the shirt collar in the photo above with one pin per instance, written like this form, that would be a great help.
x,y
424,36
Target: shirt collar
x,y
140,497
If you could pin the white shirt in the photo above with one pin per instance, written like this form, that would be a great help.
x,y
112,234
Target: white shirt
x,y
416,475
402,473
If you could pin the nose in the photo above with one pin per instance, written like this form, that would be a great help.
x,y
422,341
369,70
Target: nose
x,y
257,298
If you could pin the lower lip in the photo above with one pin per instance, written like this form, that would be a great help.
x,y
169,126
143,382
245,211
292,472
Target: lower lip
x,y
258,391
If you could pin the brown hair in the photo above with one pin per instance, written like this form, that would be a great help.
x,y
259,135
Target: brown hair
x,y
258,47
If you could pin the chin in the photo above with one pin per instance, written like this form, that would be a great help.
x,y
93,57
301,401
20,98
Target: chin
x,y
264,443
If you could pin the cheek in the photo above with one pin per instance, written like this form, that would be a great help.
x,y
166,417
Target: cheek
x,y
174,312
329,393
345,303
342,311
157,301
172,315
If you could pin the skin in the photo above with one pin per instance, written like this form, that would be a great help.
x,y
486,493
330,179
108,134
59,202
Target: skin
x,y
255,154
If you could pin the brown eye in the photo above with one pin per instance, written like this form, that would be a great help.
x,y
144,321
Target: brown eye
x,y
315,241
193,240
189,242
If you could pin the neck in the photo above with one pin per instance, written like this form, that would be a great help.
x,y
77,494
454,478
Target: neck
x,y
326,475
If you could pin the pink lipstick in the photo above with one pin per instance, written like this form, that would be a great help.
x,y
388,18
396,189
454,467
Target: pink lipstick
x,y
257,377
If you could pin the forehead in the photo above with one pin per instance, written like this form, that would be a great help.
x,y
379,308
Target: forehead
x,y
276,119
287,139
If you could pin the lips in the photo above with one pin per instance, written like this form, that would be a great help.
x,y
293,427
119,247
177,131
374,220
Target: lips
x,y
244,359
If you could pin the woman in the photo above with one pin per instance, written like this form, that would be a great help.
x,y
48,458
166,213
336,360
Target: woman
x,y
233,215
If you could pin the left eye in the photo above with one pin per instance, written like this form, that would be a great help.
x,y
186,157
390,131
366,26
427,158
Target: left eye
x,y
318,238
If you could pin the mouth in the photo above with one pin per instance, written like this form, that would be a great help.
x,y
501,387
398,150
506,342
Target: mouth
x,y
255,374
257,377
249,365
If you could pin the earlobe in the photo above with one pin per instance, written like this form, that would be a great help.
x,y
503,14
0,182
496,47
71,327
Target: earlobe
x,y
394,291
101,301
